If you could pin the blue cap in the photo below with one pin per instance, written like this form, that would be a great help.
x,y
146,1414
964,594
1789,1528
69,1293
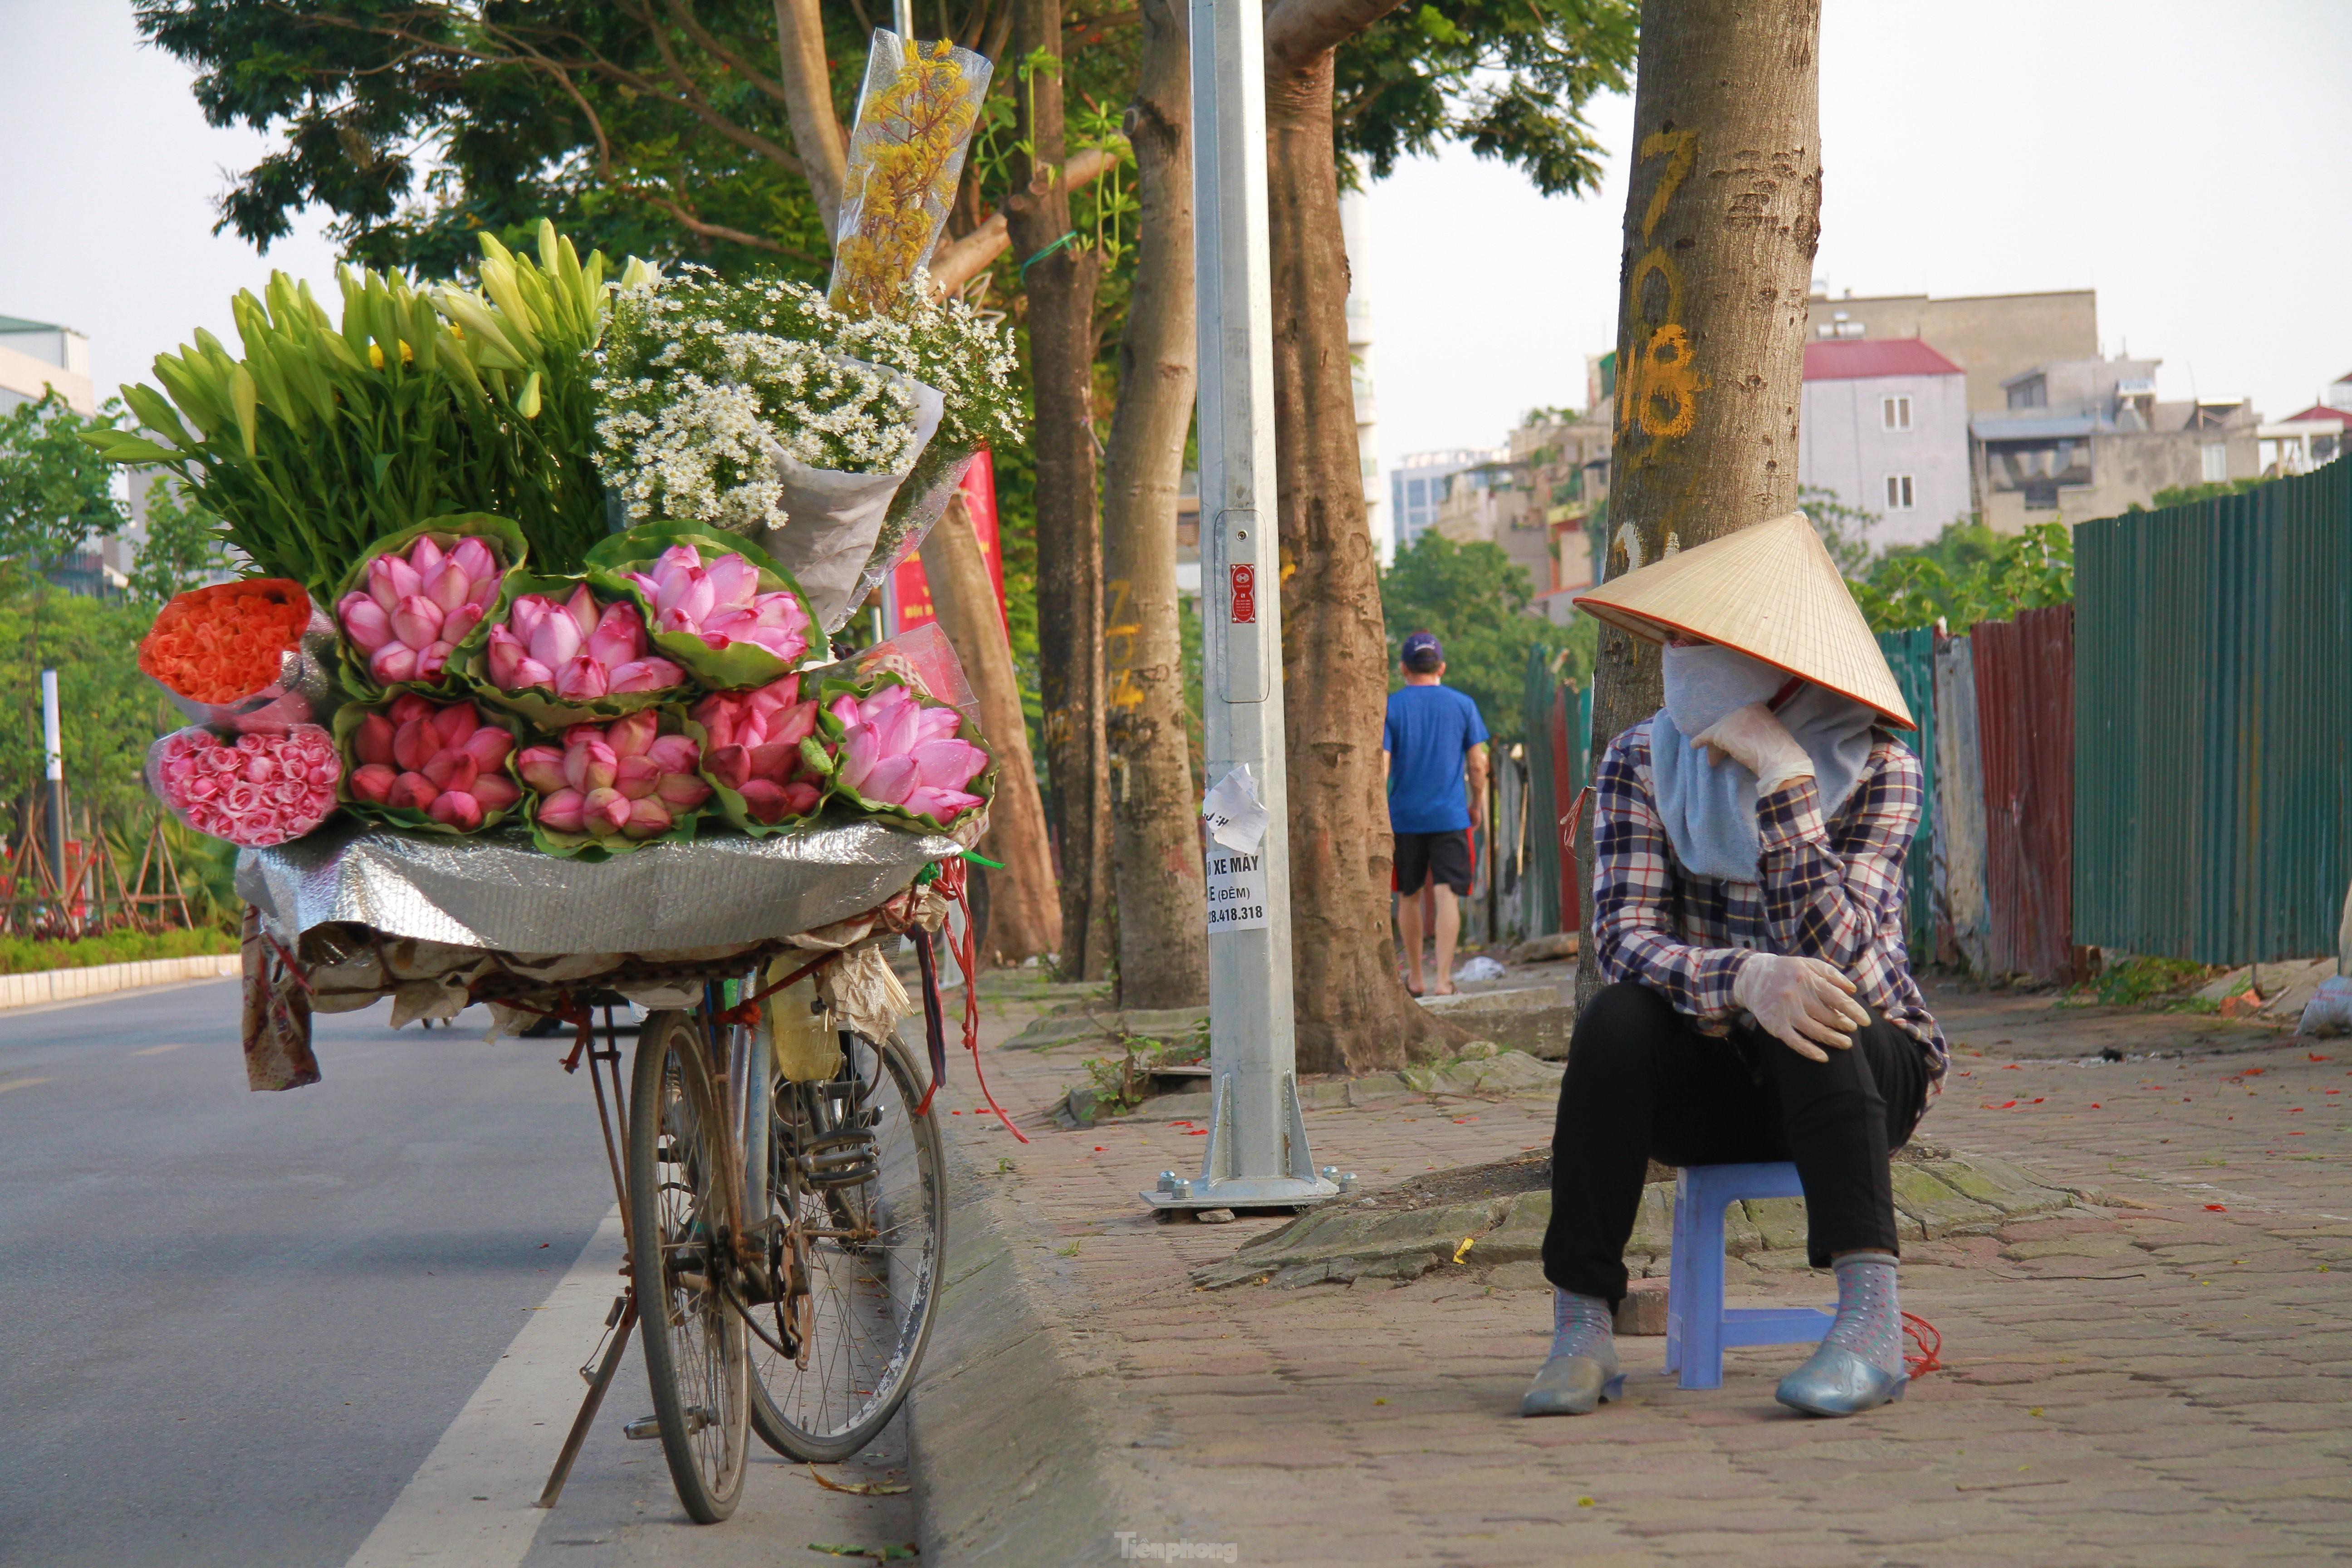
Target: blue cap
x,y
1422,643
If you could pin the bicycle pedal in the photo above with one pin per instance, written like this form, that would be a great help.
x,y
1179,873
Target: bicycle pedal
x,y
643,1429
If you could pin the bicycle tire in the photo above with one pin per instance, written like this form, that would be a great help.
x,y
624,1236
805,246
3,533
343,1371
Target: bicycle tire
x,y
681,1211
820,1415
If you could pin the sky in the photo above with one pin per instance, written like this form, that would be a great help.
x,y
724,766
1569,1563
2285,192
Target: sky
x,y
2183,157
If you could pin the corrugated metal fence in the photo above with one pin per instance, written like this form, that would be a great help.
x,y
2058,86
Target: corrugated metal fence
x,y
1559,723
2025,737
2213,724
1911,656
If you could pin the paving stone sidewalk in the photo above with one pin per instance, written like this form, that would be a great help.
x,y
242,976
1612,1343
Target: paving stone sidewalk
x,y
2162,1375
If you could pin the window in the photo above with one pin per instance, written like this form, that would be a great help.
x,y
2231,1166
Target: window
x,y
1895,413
1898,492
2217,462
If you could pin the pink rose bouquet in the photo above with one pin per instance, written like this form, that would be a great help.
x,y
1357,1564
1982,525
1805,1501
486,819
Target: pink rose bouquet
x,y
254,791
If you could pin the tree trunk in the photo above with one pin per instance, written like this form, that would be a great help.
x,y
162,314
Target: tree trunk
x,y
1060,278
1163,938
808,106
1354,1014
1720,227
1025,916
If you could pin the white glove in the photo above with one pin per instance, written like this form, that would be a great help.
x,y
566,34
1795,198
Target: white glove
x,y
1755,738
1799,1001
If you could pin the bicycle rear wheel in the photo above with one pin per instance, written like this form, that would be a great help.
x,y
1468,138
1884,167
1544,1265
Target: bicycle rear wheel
x,y
862,1178
682,1220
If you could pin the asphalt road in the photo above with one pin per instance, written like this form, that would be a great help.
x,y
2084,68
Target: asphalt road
x,y
234,1326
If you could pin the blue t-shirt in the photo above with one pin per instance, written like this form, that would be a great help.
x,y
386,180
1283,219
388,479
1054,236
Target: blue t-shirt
x,y
1430,730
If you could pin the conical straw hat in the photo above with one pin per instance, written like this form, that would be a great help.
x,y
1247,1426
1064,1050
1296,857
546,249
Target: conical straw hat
x,y
1769,591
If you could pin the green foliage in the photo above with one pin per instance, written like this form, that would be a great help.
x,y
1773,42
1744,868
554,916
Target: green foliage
x,y
2188,495
1512,79
2138,980
1476,598
21,956
1968,573
54,491
1844,529
110,712
183,548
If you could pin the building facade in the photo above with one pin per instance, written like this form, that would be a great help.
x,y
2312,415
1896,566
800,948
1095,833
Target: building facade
x,y
1884,427
1355,233
36,356
1417,487
1990,337
2079,440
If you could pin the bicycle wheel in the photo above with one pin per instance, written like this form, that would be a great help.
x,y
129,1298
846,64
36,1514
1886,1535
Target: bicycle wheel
x,y
862,1179
681,1219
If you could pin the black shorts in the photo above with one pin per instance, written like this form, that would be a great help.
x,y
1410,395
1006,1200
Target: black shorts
x,y
1443,856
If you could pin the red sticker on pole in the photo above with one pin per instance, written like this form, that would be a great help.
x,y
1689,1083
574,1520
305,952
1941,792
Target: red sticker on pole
x,y
1245,581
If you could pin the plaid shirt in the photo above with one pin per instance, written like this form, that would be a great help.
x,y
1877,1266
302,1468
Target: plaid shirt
x,y
1830,890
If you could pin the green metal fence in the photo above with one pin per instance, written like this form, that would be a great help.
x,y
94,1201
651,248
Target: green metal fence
x,y
2213,724
1911,656
1536,699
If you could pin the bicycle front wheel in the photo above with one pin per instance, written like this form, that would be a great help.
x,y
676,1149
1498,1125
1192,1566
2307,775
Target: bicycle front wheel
x,y
682,1221
861,1181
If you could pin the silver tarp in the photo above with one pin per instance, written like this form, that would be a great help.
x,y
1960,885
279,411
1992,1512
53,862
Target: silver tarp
x,y
495,892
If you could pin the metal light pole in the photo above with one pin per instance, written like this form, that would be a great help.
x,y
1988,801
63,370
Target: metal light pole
x,y
54,791
1256,1154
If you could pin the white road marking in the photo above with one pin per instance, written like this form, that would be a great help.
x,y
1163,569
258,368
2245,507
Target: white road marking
x,y
20,1083
157,1050
502,1446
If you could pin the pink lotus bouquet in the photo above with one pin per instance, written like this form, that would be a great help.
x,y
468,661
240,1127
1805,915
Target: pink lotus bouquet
x,y
256,791
895,751
575,648
760,742
417,607
624,780
721,602
446,763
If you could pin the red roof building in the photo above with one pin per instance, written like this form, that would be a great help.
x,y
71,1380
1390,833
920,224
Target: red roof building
x,y
1858,359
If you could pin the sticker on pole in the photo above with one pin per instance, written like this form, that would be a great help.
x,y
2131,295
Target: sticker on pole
x,y
1232,813
1237,821
1245,581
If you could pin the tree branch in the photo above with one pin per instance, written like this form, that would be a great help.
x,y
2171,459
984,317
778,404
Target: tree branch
x,y
1298,30
808,103
959,261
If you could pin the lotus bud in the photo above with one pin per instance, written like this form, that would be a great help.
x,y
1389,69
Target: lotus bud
x,y
455,723
373,782
947,764
860,751
583,608
629,737
765,802
555,639
542,768
643,585
365,622
776,759
489,746
645,675
844,708
484,595
453,771
413,744
733,582
447,587
526,614
496,792
674,753
531,672
794,724
636,777
647,819
460,621
941,805
891,780
562,810
407,706
682,792
416,621
474,559
458,809
731,765
619,637
372,742
606,811
425,556
505,654
936,724
393,663
433,661
801,798
582,680
411,791
391,580
588,766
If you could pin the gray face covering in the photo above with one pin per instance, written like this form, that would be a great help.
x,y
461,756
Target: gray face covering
x,y
1710,806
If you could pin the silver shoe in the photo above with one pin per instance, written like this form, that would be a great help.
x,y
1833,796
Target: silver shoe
x,y
1573,1384
1839,1382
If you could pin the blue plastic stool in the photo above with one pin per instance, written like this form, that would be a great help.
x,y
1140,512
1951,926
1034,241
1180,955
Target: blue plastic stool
x,y
1698,1329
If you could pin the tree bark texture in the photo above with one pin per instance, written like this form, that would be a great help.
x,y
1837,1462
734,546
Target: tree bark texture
x,y
1060,278
808,106
1025,911
1163,936
1721,225
1354,1014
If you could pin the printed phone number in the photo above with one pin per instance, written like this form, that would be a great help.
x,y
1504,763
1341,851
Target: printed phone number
x,y
1236,914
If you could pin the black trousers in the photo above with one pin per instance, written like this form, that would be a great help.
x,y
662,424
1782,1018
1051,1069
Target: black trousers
x,y
1643,1083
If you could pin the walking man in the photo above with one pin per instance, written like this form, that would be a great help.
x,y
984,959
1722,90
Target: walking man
x,y
1431,736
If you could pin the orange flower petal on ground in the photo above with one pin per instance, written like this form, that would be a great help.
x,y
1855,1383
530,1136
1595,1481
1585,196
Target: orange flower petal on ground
x,y
225,643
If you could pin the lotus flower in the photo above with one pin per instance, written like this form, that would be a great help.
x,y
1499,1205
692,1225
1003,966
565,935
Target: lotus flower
x,y
756,748
621,778
439,759
575,648
896,752
416,609
721,602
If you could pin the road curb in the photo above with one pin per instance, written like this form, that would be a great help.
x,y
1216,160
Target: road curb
x,y
1007,1451
47,986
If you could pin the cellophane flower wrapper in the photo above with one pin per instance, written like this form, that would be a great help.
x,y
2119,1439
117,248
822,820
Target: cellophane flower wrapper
x,y
539,706
304,691
255,790
418,819
915,114
982,783
591,847
740,664
920,501
511,552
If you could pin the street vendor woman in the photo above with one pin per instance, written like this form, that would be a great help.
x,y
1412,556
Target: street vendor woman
x,y
1758,1003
